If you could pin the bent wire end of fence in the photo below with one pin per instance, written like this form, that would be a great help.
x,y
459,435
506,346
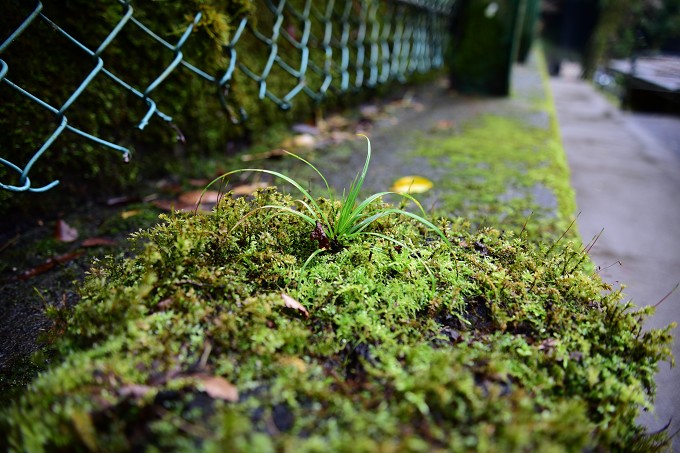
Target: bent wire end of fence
x,y
26,186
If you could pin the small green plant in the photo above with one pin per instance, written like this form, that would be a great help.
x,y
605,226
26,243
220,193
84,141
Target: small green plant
x,y
346,219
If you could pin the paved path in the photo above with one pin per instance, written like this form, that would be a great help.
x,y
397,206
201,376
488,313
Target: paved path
x,y
628,182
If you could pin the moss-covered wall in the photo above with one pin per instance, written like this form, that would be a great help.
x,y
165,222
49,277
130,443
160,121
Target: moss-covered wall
x,y
191,345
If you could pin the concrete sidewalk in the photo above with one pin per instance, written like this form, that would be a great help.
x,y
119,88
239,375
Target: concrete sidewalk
x,y
627,183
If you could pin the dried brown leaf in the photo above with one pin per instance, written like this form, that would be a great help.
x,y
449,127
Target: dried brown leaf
x,y
199,182
294,304
335,122
548,344
248,189
369,112
318,234
264,155
165,304
340,136
98,242
219,388
173,205
64,232
134,390
193,197
50,263
121,200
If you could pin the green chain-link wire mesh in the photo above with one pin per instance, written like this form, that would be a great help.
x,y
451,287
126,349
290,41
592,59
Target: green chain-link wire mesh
x,y
323,46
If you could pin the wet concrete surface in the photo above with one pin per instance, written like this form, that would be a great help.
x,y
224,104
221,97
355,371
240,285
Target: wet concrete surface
x,y
625,169
663,128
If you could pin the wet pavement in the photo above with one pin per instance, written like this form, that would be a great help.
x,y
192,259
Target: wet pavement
x,y
625,170
664,128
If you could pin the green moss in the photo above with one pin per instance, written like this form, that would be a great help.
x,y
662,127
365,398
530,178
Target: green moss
x,y
504,173
517,347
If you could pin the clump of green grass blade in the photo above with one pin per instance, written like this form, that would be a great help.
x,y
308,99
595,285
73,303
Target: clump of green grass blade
x,y
352,219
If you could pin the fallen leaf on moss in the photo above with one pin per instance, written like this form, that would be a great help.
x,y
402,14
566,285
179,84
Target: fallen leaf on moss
x,y
248,189
193,197
178,205
295,362
98,242
412,184
264,155
219,388
548,344
64,232
165,304
299,141
134,390
320,235
124,199
199,182
294,304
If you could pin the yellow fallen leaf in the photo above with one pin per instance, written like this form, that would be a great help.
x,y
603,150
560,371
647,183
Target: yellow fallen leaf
x,y
294,362
411,184
82,422
131,213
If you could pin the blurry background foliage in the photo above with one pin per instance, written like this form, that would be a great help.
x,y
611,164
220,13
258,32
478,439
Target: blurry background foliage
x,y
641,25
618,28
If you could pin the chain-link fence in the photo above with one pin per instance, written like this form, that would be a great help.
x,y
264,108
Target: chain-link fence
x,y
334,46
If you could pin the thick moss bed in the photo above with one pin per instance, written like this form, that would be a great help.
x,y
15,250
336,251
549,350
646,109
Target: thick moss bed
x,y
190,344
